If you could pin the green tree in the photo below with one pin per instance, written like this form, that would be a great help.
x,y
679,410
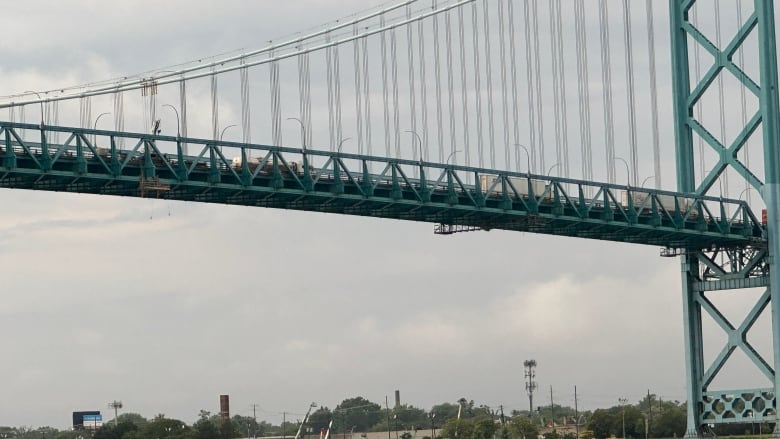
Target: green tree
x,y
161,428
672,421
521,427
443,412
411,417
460,428
205,429
228,431
634,422
115,430
133,418
320,419
484,428
245,425
601,423
356,413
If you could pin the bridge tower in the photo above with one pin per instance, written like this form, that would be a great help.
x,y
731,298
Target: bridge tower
x,y
719,269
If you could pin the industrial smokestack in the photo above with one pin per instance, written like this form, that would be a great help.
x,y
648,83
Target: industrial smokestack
x,y
224,408
397,398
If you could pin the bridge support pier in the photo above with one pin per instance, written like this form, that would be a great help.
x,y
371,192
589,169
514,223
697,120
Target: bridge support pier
x,y
707,270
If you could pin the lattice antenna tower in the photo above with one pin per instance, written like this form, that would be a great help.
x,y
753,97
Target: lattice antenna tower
x,y
530,383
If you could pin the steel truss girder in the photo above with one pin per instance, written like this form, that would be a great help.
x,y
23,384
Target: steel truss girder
x,y
352,184
743,268
725,406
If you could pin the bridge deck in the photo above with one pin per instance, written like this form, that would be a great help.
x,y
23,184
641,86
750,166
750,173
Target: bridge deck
x,y
455,197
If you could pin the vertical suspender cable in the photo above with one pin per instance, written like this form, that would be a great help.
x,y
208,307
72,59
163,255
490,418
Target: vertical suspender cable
x,y
119,114
358,89
513,63
385,96
477,85
529,63
366,96
606,77
559,87
631,103
463,92
246,119
394,71
276,125
53,118
653,94
182,114
437,74
504,85
450,83
85,110
412,97
337,92
23,119
562,88
538,77
721,100
423,89
555,57
332,140
307,99
214,107
583,91
301,96
489,79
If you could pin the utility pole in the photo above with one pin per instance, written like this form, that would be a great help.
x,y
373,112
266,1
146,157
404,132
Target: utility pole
x,y
254,416
623,402
284,421
530,384
649,414
577,414
552,409
387,406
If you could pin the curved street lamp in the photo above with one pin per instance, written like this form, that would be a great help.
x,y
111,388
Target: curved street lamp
x,y
94,128
628,172
419,140
527,156
341,143
303,131
178,124
452,154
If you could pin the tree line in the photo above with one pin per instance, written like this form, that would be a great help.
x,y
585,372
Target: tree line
x,y
649,417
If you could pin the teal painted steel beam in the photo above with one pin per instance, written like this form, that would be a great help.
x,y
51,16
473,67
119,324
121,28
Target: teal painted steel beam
x,y
700,272
769,105
341,183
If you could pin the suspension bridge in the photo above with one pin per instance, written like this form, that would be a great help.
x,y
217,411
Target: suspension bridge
x,y
457,113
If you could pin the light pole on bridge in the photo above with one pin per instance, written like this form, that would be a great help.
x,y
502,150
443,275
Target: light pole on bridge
x,y
303,131
527,157
94,128
452,154
341,143
420,142
178,123
628,172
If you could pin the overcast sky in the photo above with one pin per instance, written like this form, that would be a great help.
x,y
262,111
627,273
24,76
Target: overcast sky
x,y
167,305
